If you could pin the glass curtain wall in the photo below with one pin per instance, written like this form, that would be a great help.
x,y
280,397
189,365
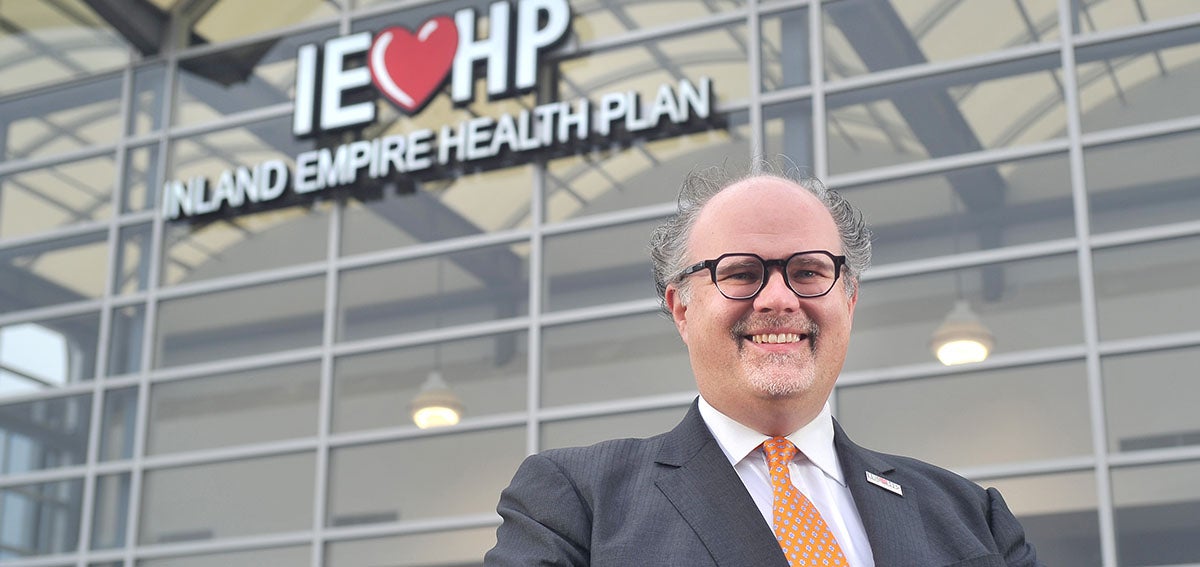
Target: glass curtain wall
x,y
237,389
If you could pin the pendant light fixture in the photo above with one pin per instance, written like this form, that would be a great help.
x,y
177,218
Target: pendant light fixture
x,y
962,338
436,405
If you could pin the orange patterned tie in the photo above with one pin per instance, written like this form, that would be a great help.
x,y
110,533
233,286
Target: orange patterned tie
x,y
801,532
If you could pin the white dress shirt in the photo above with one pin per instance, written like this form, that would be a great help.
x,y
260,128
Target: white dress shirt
x,y
815,471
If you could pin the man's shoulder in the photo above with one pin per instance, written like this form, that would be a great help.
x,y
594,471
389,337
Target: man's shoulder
x,y
605,454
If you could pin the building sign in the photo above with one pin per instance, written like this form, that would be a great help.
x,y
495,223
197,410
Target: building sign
x,y
408,69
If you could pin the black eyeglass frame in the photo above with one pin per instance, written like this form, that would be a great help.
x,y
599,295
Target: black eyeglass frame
x,y
711,266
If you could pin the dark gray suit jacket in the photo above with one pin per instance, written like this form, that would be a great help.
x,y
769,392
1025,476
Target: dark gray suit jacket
x,y
674,499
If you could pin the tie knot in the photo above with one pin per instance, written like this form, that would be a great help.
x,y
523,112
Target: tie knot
x,y
779,449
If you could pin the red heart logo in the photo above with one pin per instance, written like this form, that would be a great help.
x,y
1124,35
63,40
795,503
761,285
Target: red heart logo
x,y
408,68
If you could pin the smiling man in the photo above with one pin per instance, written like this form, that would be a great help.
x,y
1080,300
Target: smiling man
x,y
760,275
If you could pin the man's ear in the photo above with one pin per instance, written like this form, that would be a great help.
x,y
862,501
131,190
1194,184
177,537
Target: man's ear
x,y
678,310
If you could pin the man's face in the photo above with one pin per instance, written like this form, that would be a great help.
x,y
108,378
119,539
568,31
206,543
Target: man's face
x,y
776,346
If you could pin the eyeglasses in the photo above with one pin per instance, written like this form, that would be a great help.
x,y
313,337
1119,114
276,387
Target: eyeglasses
x,y
743,276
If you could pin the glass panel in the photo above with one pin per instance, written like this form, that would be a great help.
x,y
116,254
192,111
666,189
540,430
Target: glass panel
x,y
1028,304
228,20
610,359
1151,399
52,42
462,287
422,478
252,558
149,83
784,50
238,241
644,66
40,519
963,210
125,340
254,320
910,417
220,500
1100,15
56,196
254,406
52,272
141,179
461,547
1139,80
588,430
488,374
133,258
111,512
1147,289
597,19
997,106
244,78
465,205
788,130
1141,183
120,421
868,37
44,434
595,267
1059,515
1155,514
47,354
62,119
648,173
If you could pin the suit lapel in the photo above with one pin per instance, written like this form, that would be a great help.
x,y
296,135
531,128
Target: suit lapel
x,y
892,522
699,481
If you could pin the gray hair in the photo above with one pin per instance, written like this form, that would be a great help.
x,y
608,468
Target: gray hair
x,y
669,241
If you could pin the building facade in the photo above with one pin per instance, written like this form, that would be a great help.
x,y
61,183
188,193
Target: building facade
x,y
231,263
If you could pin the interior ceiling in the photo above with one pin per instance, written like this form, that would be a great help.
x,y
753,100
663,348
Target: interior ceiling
x,y
880,36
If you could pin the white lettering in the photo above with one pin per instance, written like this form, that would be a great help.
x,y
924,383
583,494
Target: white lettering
x,y
530,39
494,49
337,79
306,89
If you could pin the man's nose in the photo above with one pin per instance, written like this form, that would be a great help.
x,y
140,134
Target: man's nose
x,y
775,294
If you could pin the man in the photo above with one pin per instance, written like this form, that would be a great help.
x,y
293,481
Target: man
x,y
760,276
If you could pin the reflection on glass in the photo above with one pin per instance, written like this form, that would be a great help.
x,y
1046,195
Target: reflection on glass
x,y
648,173
1028,304
788,132
110,515
963,210
1002,105
49,42
599,19
1145,182
140,187
1101,15
247,77
44,434
220,500
225,21
1058,512
1140,80
53,272
63,119
1151,400
417,295
147,108
422,478
910,417
232,409
1156,511
623,357
784,50
1147,289
460,547
253,558
119,423
47,354
488,375
125,339
598,266
56,196
41,519
466,205
240,322
588,430
133,258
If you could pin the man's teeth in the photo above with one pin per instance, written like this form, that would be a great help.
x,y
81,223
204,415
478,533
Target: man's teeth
x,y
776,338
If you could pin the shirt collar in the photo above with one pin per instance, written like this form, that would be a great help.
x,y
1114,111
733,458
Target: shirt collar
x,y
814,440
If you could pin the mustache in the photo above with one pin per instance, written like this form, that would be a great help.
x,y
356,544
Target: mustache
x,y
749,323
